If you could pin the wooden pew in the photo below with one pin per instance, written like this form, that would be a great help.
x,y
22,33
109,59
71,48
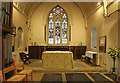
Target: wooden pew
x,y
24,72
15,77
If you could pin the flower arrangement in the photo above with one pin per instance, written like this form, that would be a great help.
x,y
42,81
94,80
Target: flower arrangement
x,y
114,53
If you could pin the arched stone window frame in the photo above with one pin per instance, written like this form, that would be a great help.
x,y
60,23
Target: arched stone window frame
x,y
19,38
47,29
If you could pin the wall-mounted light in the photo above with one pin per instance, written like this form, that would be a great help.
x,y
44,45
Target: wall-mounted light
x,y
98,3
28,22
14,31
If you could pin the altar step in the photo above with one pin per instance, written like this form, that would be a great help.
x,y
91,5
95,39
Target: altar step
x,y
66,70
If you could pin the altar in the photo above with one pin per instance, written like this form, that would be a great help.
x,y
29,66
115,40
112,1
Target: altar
x,y
94,56
57,59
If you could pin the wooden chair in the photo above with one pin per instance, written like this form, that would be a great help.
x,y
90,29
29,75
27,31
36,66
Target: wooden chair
x,y
1,76
83,58
15,77
24,57
24,72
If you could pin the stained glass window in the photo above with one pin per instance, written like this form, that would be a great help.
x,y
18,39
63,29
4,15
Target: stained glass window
x,y
57,26
64,32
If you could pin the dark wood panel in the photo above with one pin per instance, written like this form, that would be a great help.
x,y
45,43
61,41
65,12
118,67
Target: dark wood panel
x,y
32,52
57,48
6,27
82,50
35,52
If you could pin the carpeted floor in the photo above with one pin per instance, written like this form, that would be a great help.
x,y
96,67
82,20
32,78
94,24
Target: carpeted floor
x,y
81,73
75,77
51,78
98,77
79,66
113,77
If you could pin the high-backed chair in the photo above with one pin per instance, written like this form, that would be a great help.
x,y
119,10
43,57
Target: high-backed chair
x,y
23,72
15,77
24,57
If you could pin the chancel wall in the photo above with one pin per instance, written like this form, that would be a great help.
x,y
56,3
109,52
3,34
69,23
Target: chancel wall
x,y
39,19
34,29
19,20
105,26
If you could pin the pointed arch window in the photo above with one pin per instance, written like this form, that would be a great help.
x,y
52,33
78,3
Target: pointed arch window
x,y
94,38
57,26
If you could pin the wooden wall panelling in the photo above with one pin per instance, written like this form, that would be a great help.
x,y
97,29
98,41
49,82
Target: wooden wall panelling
x,y
42,49
72,50
82,50
36,51
31,52
40,53
11,16
7,9
77,52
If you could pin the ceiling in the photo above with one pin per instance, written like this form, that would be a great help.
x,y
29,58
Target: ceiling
x,y
27,8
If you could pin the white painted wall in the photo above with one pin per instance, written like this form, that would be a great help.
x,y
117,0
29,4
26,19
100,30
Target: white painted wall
x,y
106,26
19,20
39,19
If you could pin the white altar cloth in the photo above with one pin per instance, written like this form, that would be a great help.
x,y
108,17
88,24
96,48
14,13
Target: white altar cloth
x,y
57,59
90,55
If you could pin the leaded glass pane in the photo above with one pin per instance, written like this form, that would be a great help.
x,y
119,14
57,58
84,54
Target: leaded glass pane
x,y
50,41
51,32
64,32
57,32
64,41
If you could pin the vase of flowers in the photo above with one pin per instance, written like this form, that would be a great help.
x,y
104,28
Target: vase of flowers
x,y
114,53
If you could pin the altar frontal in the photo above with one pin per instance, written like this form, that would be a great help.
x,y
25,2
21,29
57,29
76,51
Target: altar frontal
x,y
57,59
